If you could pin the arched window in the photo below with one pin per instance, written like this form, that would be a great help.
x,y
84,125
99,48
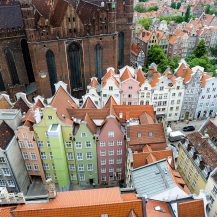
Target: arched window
x,y
51,66
98,61
2,86
142,102
120,49
74,56
27,60
12,66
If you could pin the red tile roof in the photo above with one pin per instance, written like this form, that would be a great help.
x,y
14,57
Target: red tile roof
x,y
4,103
140,76
90,124
110,103
184,72
145,118
156,130
21,105
109,74
5,212
88,104
135,49
94,83
126,75
204,78
84,203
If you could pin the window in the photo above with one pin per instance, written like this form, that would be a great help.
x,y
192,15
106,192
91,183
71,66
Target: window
x,y
111,143
10,183
111,178
68,144
111,134
51,155
139,135
79,156
103,162
72,167
28,167
48,144
83,135
81,167
33,156
161,88
21,144
129,96
130,87
214,190
102,144
119,152
118,169
111,152
30,145
173,94
111,161
82,177
180,94
2,160
40,144
189,176
111,170
89,156
119,161
70,156
102,153
119,142
46,166
36,167
171,108
43,156
73,177
78,145
178,101
25,156
178,87
2,183
89,167
88,144
110,88
173,101
150,134
103,170
49,117
103,178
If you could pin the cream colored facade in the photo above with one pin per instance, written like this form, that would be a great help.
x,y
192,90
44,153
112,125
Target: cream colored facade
x,y
190,171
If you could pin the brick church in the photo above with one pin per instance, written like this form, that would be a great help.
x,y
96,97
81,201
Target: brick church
x,y
44,41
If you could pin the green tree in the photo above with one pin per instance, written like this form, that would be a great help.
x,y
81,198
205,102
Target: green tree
x,y
188,13
207,9
174,62
213,51
146,23
173,5
153,8
139,8
200,49
156,55
178,5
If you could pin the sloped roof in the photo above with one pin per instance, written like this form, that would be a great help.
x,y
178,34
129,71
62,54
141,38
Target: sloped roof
x,y
204,78
4,104
90,124
210,128
135,49
109,74
6,135
140,76
110,102
145,118
21,105
88,104
150,133
94,202
62,101
94,83
126,75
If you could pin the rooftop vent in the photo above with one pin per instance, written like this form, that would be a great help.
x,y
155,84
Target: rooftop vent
x,y
159,209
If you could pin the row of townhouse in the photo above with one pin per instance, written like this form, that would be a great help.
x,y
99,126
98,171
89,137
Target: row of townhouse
x,y
186,94
197,162
74,145
180,41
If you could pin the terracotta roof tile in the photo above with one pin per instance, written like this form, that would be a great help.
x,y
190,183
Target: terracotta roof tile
x,y
63,101
21,105
88,104
4,104
145,118
210,128
94,82
191,208
109,74
150,133
204,78
140,76
110,103
132,111
155,79
135,49
90,124
126,75
5,212
6,135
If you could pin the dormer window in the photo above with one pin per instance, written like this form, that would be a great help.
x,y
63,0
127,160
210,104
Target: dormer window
x,y
120,115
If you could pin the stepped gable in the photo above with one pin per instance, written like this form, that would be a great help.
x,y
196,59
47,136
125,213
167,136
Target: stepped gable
x,y
21,105
6,135
88,104
90,124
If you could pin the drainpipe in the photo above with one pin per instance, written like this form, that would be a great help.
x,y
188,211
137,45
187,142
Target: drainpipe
x,y
144,207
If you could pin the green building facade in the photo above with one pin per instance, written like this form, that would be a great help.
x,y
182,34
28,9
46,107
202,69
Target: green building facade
x,y
63,159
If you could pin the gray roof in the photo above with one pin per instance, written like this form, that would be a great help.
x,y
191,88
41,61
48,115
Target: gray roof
x,y
8,114
10,16
153,179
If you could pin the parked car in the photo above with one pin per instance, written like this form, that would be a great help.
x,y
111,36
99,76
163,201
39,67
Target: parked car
x,y
188,128
176,136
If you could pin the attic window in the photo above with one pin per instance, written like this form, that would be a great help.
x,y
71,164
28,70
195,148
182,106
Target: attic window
x,y
139,135
159,209
104,215
120,115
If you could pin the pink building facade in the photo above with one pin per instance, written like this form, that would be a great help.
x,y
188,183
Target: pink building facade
x,y
130,92
111,151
